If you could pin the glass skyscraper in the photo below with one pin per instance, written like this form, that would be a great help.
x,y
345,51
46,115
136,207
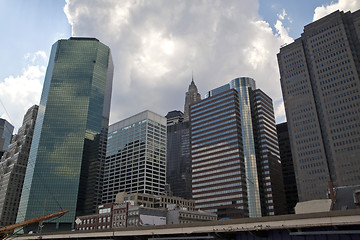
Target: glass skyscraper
x,y
242,86
217,124
136,156
217,160
65,162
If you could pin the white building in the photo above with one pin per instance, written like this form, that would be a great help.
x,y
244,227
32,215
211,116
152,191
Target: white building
x,y
136,156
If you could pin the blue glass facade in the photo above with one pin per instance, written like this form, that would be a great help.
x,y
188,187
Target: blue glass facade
x,y
64,166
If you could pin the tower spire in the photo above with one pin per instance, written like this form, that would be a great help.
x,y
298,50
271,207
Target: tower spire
x,y
191,96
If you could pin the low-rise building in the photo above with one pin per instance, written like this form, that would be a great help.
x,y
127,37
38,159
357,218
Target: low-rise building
x,y
143,216
101,220
179,216
139,209
154,201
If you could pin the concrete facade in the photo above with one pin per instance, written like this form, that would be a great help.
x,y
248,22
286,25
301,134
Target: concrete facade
x,y
321,89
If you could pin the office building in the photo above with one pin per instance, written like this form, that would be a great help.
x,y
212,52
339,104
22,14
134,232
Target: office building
x,y
218,167
13,167
287,167
6,131
178,163
136,156
182,216
178,145
234,150
154,201
191,96
174,117
320,84
65,161
102,219
270,177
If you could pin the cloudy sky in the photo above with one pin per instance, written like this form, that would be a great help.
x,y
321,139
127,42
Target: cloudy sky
x,y
156,45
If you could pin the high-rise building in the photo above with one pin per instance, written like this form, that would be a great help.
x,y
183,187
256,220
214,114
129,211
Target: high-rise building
x,y
191,96
320,84
178,162
136,156
6,131
178,146
272,193
218,166
287,167
259,160
13,167
65,162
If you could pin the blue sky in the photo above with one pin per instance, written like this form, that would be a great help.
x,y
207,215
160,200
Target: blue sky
x,y
155,46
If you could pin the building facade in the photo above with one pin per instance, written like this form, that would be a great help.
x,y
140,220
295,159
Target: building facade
x,y
182,216
287,167
102,219
65,162
6,131
13,167
320,84
217,160
258,152
178,163
154,201
271,185
178,159
191,96
136,156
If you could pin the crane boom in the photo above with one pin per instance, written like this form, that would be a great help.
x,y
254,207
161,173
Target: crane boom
x,y
4,231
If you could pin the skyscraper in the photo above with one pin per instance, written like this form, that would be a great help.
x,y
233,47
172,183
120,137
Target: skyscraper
x,y
191,96
136,156
287,167
272,192
178,145
65,164
260,153
320,84
6,130
13,167
178,162
217,160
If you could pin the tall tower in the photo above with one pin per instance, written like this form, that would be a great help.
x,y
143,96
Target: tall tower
x,y
287,167
13,167
136,156
260,151
65,161
320,84
217,156
178,162
191,96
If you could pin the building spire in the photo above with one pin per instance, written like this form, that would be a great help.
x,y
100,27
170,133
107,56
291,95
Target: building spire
x,y
191,96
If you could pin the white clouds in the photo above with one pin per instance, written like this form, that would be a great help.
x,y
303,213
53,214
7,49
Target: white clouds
x,y
342,5
282,33
280,111
157,44
282,15
23,90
